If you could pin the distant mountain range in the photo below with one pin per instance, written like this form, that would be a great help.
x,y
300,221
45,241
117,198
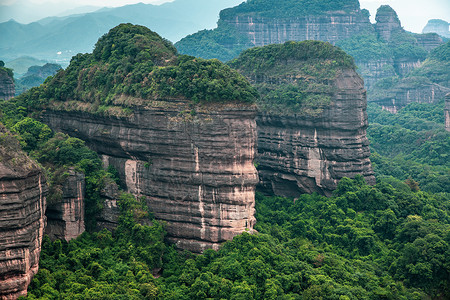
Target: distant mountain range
x,y
57,39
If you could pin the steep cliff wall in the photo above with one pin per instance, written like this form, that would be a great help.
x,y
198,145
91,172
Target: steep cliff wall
x,y
7,88
180,131
22,206
197,175
310,145
387,22
438,26
331,27
65,218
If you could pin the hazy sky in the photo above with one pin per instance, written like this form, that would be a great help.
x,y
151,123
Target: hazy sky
x,y
413,14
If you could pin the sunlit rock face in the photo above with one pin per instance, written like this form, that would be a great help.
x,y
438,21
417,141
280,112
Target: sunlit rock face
x,y
196,173
65,217
23,193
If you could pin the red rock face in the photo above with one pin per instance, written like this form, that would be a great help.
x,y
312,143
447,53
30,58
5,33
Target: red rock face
x,y
23,192
298,154
196,174
65,219
330,27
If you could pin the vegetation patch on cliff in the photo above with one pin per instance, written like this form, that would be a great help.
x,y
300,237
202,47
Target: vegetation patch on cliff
x,y
294,77
132,60
288,8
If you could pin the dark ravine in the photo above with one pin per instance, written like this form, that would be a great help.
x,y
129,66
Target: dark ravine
x,y
23,191
196,174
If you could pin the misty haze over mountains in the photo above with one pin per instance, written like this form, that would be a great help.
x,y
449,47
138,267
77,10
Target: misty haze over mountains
x,y
59,38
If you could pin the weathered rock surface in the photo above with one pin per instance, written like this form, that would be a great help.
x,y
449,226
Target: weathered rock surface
x,y
7,87
387,22
300,151
440,27
329,27
402,95
374,70
23,192
65,218
109,216
429,41
447,112
197,175
304,155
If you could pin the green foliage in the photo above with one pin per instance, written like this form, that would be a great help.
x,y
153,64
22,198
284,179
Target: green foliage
x,y
132,61
366,47
6,71
210,44
288,8
103,266
295,77
411,144
441,53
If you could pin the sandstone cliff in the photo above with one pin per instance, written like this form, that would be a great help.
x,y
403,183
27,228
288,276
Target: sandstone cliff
x,y
180,131
196,175
312,124
7,88
428,83
22,206
65,218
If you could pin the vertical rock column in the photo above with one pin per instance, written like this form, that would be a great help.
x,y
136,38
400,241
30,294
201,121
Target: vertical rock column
x,y
23,192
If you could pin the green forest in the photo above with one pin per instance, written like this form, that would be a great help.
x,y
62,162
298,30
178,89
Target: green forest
x,y
387,241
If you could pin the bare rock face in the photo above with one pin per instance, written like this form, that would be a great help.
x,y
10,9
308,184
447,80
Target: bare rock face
x,y
308,147
305,155
196,174
387,22
402,95
23,192
7,87
447,112
329,27
109,216
429,41
374,70
65,218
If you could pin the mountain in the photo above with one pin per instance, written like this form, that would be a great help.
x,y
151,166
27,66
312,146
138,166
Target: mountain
x,y
21,64
380,50
438,26
35,76
58,39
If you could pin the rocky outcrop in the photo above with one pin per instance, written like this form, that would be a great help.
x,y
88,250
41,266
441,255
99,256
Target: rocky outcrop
x,y
302,150
440,27
331,27
387,22
7,87
65,217
23,192
404,94
304,155
404,65
447,112
374,70
196,174
109,215
429,41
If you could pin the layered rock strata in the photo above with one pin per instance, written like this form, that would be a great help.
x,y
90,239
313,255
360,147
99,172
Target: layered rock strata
x,y
329,27
23,192
65,218
387,22
7,87
402,95
310,146
197,175
305,154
